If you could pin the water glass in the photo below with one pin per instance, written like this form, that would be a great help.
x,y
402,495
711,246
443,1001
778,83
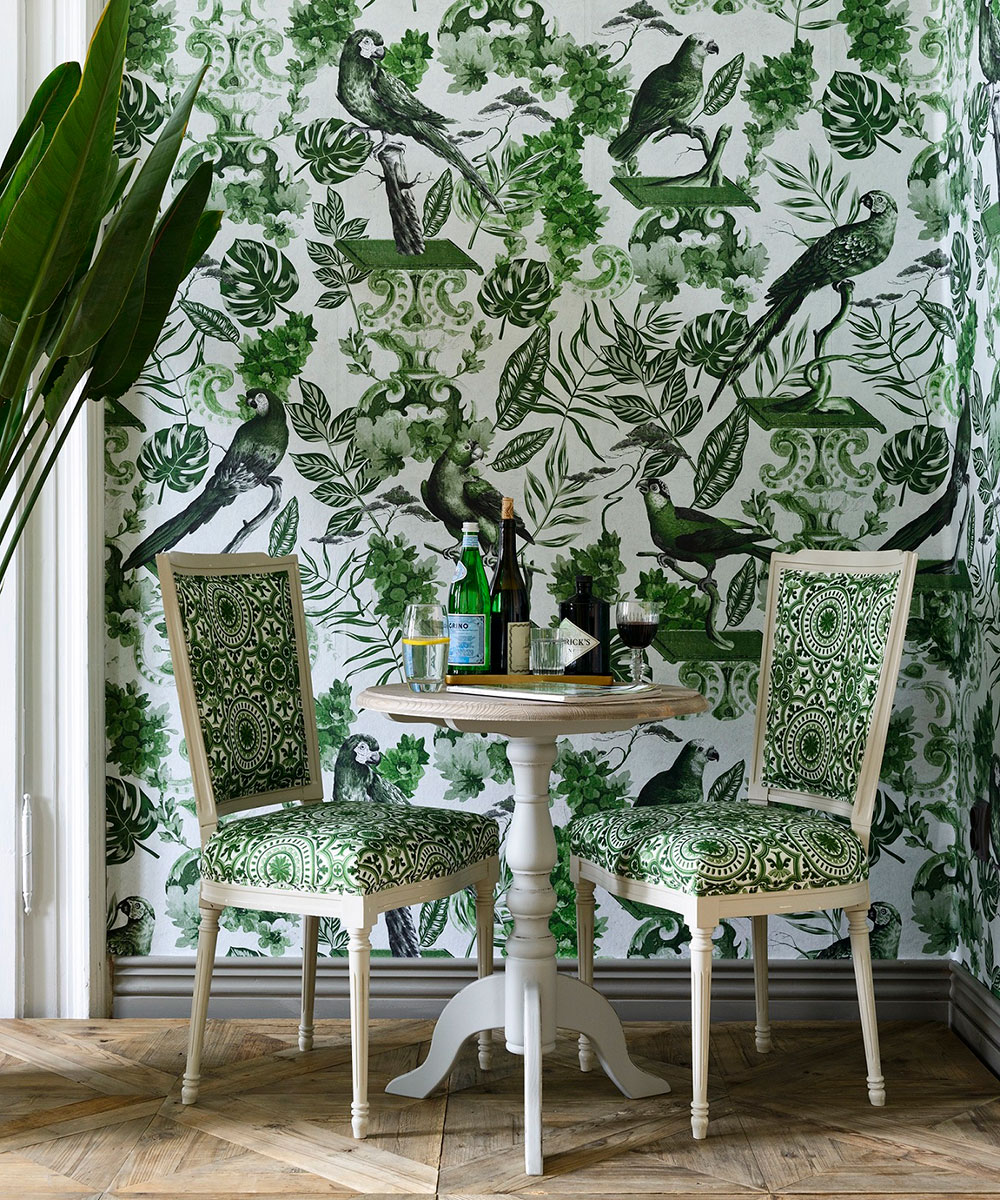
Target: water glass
x,y
547,652
425,646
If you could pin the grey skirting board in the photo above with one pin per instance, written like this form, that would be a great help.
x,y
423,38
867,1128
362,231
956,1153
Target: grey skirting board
x,y
639,989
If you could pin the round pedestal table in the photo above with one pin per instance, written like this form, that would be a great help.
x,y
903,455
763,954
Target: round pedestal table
x,y
529,1001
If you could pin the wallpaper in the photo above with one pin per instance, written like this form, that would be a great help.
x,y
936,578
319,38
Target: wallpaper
x,y
727,270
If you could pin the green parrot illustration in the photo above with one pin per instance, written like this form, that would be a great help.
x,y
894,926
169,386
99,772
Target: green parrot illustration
x,y
683,781
665,99
687,535
382,101
256,449
883,937
454,493
989,61
937,515
136,935
831,261
355,781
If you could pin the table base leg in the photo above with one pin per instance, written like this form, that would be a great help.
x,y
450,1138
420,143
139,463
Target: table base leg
x,y
580,1008
532,1080
475,1008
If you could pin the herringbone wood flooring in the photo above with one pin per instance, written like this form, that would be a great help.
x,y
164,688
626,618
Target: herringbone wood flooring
x,y
91,1109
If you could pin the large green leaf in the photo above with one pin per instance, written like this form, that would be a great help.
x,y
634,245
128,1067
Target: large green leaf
x,y
722,86
45,111
522,378
284,530
858,113
129,342
52,220
256,278
131,818
18,177
721,458
125,242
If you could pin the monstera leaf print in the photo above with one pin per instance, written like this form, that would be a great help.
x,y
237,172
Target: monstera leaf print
x,y
710,341
333,149
858,114
176,456
519,292
256,280
140,114
130,819
916,458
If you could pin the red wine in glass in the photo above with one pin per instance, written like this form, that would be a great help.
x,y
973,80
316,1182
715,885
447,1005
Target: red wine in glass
x,y
636,622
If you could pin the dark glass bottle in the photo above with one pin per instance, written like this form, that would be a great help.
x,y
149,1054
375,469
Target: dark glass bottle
x,y
592,616
509,621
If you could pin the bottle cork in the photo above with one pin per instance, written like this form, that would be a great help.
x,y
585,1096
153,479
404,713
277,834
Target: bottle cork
x,y
507,508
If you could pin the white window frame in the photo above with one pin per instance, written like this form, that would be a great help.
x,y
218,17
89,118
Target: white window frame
x,y
52,658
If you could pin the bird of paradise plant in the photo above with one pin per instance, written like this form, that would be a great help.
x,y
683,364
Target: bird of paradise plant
x,y
87,271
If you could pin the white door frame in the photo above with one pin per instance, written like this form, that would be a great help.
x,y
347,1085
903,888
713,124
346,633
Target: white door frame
x,y
52,653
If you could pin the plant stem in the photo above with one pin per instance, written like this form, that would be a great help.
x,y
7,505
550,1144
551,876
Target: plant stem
x,y
30,503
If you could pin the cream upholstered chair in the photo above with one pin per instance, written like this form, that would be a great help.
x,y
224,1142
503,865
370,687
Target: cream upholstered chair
x,y
238,641
832,645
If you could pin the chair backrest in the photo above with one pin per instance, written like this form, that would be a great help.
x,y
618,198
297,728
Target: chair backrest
x,y
833,639
237,636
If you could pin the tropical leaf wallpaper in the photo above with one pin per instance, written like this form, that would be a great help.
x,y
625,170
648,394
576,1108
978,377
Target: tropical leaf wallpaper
x,y
610,259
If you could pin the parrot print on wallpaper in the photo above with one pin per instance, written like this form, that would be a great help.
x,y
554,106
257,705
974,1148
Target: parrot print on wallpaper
x,y
693,282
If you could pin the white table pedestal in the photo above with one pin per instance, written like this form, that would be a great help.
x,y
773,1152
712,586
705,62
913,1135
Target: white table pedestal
x,y
529,1001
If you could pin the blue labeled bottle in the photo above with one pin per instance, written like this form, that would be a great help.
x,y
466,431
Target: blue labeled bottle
x,y
469,610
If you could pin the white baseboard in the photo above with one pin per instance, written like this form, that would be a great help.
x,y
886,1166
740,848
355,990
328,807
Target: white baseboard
x,y
639,989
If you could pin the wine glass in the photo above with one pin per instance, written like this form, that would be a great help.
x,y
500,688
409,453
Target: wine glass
x,y
636,621
425,646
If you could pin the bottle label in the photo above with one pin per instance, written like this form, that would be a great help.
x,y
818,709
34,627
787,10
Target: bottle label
x,y
461,570
468,640
576,641
518,647
470,540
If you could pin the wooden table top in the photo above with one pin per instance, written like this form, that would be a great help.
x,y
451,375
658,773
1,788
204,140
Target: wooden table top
x,y
396,700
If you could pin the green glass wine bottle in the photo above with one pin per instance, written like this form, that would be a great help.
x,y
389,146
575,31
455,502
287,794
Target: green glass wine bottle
x,y
469,610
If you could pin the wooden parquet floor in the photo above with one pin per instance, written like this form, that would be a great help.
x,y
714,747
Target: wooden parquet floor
x,y
91,1109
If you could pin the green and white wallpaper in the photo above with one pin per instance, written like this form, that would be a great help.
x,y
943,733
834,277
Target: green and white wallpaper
x,y
615,261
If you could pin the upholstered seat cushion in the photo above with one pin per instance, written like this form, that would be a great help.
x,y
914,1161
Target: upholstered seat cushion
x,y
359,848
722,849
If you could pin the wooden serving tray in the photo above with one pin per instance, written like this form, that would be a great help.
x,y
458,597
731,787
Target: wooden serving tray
x,y
488,679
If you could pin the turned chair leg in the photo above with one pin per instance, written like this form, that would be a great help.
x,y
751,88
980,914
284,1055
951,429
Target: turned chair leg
x,y
484,958
857,919
208,932
701,1001
359,950
762,1029
585,956
310,932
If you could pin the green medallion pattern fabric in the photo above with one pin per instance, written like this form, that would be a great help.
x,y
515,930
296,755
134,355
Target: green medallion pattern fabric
x,y
359,848
722,849
830,637
240,637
